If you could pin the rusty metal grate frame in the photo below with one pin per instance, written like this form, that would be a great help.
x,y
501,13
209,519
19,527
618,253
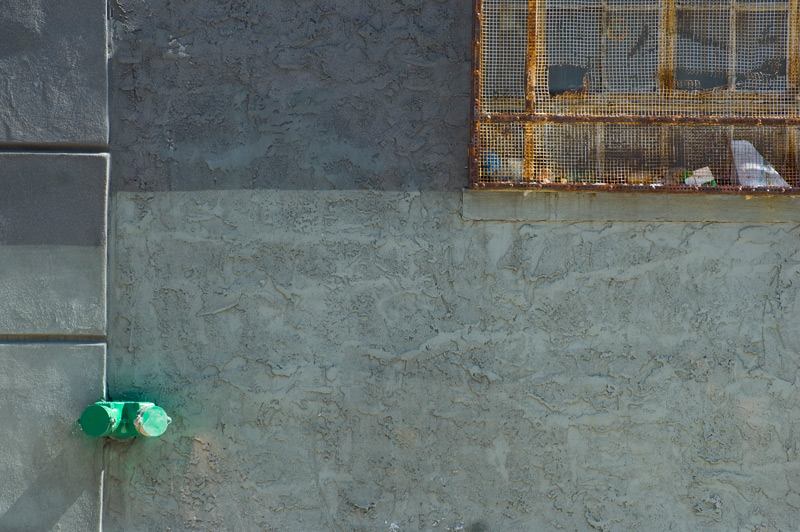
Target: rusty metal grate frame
x,y
529,116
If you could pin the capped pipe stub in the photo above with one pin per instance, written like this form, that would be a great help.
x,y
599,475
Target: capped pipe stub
x,y
152,421
122,420
99,420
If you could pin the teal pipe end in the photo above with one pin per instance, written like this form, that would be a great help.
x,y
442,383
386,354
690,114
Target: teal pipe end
x,y
124,419
100,419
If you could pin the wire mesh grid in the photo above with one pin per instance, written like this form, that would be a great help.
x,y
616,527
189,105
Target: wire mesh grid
x,y
689,57
502,152
503,55
660,92
761,53
660,155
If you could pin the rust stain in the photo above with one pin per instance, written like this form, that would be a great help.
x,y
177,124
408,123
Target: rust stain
x,y
531,56
528,168
667,37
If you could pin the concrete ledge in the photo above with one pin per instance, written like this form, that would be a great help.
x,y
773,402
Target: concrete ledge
x,y
548,205
51,471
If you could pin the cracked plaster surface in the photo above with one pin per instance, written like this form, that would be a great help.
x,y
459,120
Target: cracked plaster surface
x,y
358,361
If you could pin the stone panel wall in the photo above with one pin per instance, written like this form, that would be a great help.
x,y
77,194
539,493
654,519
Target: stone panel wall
x,y
54,170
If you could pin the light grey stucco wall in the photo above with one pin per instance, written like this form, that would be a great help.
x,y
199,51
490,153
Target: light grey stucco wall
x,y
292,279
349,360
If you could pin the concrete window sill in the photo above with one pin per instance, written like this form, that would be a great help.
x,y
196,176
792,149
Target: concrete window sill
x,y
557,206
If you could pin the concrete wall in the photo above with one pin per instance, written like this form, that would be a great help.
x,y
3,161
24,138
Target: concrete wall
x,y
292,279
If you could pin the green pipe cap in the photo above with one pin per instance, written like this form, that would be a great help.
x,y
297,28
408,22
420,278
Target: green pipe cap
x,y
152,421
99,420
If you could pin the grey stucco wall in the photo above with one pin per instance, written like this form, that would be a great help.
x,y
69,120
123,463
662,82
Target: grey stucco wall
x,y
342,351
349,360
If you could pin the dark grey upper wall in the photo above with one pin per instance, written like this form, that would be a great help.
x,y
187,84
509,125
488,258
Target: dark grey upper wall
x,y
322,94
53,199
53,58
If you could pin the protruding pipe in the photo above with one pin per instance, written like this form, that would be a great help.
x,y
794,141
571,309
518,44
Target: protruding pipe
x,y
124,419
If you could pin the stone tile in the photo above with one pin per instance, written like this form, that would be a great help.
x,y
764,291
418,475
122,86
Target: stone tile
x,y
53,243
54,70
51,471
53,199
55,290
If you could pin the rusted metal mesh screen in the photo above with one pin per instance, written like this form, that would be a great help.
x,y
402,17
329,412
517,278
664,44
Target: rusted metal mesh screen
x,y
674,93
640,155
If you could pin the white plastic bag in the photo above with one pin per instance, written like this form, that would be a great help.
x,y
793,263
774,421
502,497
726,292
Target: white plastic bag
x,y
751,170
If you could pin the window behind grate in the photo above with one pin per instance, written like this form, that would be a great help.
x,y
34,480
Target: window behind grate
x,y
633,94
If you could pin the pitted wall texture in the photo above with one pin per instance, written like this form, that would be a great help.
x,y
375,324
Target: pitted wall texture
x,y
53,63
290,94
370,361
340,350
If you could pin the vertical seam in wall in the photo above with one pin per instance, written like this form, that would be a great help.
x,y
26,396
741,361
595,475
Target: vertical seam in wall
x,y
110,232
108,239
102,486
107,278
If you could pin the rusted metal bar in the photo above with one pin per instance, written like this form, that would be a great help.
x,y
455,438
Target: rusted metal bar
x,y
531,57
644,120
698,103
645,189
793,53
667,39
766,7
474,163
530,91
732,45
